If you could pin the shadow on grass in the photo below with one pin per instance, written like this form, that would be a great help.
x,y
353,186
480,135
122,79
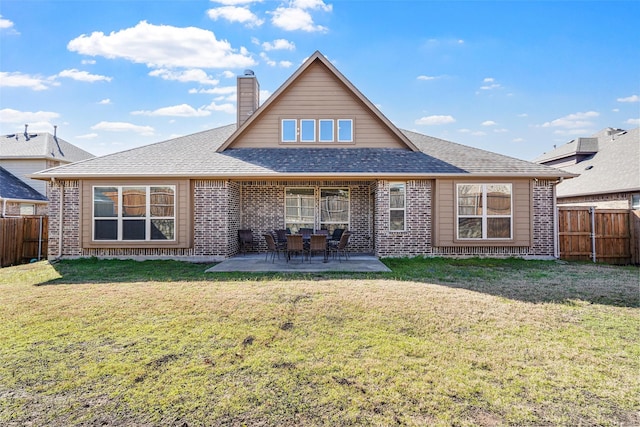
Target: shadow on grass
x,y
522,280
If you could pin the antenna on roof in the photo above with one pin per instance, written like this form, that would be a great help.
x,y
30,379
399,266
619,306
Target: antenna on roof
x,y
55,131
26,135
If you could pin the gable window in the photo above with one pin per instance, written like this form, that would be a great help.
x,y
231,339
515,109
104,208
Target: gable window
x,y
134,213
397,203
316,130
289,130
307,130
484,211
345,130
322,208
326,130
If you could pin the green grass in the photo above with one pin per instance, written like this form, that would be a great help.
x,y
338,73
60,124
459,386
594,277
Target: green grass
x,y
435,342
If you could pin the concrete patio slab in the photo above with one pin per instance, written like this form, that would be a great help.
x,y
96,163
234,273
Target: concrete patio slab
x,y
357,263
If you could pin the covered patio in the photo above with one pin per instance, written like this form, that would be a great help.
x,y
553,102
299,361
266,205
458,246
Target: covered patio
x,y
256,262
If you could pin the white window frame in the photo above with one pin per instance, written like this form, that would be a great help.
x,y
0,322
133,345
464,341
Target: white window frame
x,y
333,130
317,209
484,216
27,209
338,130
295,130
311,122
403,208
120,218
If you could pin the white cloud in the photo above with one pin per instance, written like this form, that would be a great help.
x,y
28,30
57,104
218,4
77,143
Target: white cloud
x,y
427,78
241,15
163,46
267,60
296,16
83,76
225,108
88,62
182,110
228,74
573,121
278,44
435,120
123,127
523,115
632,98
501,130
5,23
633,122
105,101
193,75
17,79
285,64
221,90
573,132
517,140
87,136
490,84
489,123
8,115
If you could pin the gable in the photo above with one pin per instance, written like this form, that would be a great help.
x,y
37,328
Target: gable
x,y
317,91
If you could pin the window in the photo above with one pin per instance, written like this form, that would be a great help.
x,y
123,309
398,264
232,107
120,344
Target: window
x,y
307,130
135,213
635,201
27,209
304,210
312,130
289,130
397,201
326,130
345,130
484,211
334,208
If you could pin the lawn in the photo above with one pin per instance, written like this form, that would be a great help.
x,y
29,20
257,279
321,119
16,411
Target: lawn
x,y
435,342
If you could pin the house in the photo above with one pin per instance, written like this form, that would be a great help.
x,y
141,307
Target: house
x,y
316,154
609,167
24,154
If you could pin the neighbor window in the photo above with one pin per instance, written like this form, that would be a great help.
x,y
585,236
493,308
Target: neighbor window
x,y
27,209
635,201
397,203
484,211
134,213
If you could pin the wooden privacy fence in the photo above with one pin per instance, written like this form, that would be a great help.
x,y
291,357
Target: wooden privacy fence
x,y
598,235
23,239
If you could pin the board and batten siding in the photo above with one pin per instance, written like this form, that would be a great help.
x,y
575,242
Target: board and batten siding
x,y
444,208
184,216
317,94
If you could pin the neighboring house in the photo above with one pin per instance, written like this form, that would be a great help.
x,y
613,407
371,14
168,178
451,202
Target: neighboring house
x,y
609,167
18,198
26,153
316,154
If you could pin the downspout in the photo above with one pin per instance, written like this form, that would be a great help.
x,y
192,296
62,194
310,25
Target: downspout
x,y
592,213
4,208
60,212
40,241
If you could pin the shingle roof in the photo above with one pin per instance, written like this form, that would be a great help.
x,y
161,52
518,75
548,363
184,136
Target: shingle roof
x,y
614,168
40,145
11,187
195,156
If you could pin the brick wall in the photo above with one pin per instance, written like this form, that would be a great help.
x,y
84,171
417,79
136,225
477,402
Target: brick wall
x,y
211,219
543,219
70,191
13,208
416,239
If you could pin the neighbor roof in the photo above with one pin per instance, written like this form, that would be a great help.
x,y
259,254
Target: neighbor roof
x,y
41,145
11,187
614,168
197,155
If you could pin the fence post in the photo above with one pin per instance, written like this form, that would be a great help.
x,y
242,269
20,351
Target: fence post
x,y
592,214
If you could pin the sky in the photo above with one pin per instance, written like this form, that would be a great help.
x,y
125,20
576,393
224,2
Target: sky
x,y
512,77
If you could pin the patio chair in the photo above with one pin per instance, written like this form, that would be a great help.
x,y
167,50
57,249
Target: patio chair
x,y
341,246
281,238
323,232
318,243
272,247
306,232
337,233
245,238
294,246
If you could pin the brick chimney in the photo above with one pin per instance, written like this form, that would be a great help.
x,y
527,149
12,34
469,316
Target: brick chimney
x,y
248,96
